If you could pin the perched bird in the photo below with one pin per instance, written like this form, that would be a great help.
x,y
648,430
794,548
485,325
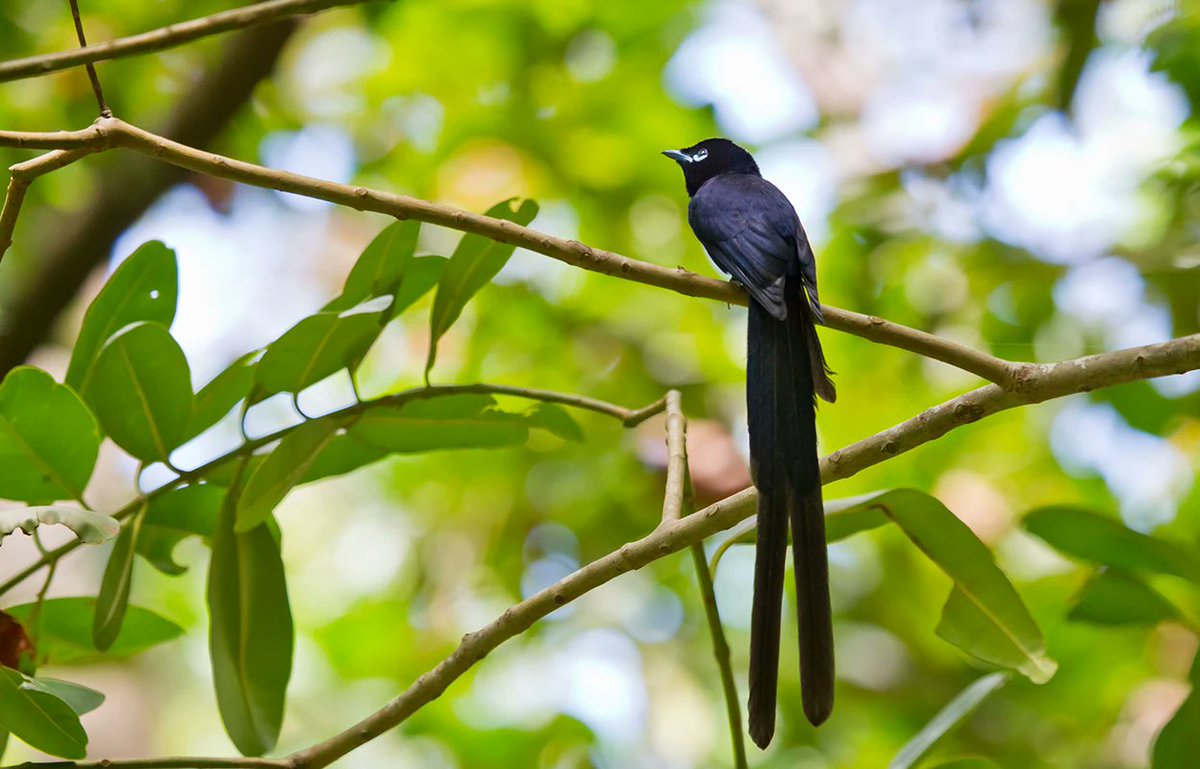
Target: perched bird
x,y
752,232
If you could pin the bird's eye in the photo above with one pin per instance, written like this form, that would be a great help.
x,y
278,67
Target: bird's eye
x,y
701,155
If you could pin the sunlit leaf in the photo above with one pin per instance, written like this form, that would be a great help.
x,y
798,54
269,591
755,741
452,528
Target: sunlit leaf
x,y
143,287
988,626
66,630
113,599
250,633
92,528
1098,539
141,391
281,470
966,762
1117,598
949,717
472,266
48,439
40,718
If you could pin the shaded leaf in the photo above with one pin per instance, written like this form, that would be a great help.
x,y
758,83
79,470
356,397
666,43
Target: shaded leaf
x,y
92,528
421,275
343,454
1118,598
381,266
1178,743
314,348
174,516
555,419
971,622
143,287
48,439
444,422
141,391
219,396
41,719
66,630
113,598
474,263
949,717
282,469
1098,539
967,762
250,633
82,699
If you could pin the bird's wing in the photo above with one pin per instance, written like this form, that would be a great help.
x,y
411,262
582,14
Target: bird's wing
x,y
752,232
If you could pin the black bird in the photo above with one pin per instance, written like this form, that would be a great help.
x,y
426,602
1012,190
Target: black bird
x,y
752,232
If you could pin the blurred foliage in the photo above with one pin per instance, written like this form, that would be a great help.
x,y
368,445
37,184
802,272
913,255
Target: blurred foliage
x,y
564,101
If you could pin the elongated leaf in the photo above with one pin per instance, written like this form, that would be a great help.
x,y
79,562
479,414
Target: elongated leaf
x,y
949,717
967,762
973,623
556,420
316,347
218,397
250,633
1178,743
144,287
82,699
113,599
281,470
141,390
475,262
420,275
174,516
381,267
446,422
92,528
1118,598
1095,538
48,439
343,454
39,718
66,630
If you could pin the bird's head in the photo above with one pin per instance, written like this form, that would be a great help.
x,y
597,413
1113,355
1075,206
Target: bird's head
x,y
709,158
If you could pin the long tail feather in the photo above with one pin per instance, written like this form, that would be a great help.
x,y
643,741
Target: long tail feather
x,y
785,369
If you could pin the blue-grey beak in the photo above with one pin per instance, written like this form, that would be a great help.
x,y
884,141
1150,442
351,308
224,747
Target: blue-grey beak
x,y
677,156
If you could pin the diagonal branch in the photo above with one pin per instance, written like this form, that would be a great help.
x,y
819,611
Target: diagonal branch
x,y
1040,383
114,132
166,37
21,176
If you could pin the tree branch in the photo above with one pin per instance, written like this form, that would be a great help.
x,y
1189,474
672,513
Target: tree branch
x,y
1038,383
166,37
91,70
183,762
114,132
21,176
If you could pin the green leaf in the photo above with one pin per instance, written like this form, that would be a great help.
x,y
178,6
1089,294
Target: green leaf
x,y
1098,539
967,762
421,275
113,599
141,390
444,422
475,262
282,469
91,528
554,419
318,346
174,516
218,397
1178,743
66,630
82,699
381,266
949,717
1118,598
343,454
48,439
41,719
250,633
143,287
975,622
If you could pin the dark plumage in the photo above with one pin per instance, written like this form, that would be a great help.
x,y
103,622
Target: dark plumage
x,y
752,232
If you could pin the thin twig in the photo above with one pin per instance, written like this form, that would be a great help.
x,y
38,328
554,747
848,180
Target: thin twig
x,y
166,37
1040,383
182,762
91,70
115,132
21,176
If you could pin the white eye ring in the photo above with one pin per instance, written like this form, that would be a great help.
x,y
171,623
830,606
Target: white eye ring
x,y
701,155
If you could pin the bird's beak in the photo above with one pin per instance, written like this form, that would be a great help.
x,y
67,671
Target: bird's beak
x,y
677,156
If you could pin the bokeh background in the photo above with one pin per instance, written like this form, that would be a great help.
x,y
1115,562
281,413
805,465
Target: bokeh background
x,y
1019,175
